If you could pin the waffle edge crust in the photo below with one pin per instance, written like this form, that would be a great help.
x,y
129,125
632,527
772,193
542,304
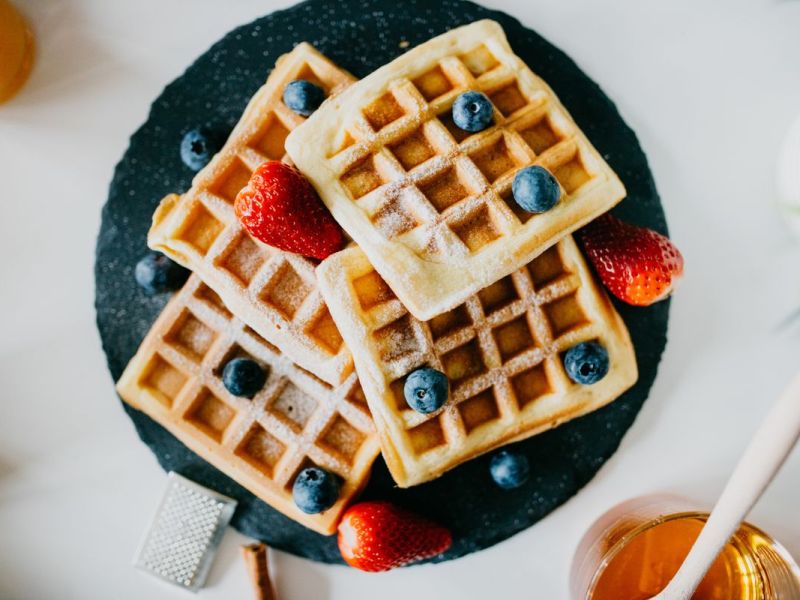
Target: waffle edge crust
x,y
502,351
430,204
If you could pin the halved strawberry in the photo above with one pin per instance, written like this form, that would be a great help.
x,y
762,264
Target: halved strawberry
x,y
280,207
378,536
638,265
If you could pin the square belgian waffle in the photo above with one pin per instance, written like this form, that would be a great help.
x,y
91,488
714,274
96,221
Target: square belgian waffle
x,y
274,292
501,350
429,203
295,421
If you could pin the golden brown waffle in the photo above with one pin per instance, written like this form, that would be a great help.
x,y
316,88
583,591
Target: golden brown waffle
x,y
501,351
429,203
295,421
274,292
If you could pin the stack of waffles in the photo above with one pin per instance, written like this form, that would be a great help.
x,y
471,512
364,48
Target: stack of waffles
x,y
444,271
245,299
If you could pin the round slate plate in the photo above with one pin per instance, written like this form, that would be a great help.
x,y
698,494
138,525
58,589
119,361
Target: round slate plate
x,y
361,36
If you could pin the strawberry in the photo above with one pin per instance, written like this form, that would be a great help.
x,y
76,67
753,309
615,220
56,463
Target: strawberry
x,y
280,207
638,265
378,536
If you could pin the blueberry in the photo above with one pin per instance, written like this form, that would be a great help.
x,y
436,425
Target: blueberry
x,y
155,273
586,362
198,146
535,189
315,490
472,111
426,390
302,96
243,377
509,469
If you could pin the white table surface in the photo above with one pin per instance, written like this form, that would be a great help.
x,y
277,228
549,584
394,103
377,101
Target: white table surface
x,y
710,87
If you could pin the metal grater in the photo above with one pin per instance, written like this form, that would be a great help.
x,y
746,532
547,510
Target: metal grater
x,y
185,533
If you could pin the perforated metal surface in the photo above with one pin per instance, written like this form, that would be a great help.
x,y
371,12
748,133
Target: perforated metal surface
x,y
185,533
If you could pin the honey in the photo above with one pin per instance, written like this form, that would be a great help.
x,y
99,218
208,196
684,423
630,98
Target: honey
x,y
16,50
645,565
634,551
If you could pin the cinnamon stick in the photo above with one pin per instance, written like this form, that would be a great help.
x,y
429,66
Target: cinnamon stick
x,y
256,563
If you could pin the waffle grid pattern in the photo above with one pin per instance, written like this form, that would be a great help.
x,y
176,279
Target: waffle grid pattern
x,y
441,194
296,420
501,351
435,187
273,291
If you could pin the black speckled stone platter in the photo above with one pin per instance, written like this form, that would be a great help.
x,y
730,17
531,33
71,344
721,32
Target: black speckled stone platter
x,y
361,36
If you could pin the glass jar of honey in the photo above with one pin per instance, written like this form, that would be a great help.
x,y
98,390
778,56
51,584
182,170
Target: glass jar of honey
x,y
634,550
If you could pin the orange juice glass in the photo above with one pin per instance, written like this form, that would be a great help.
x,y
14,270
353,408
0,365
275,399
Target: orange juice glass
x,y
634,549
16,50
